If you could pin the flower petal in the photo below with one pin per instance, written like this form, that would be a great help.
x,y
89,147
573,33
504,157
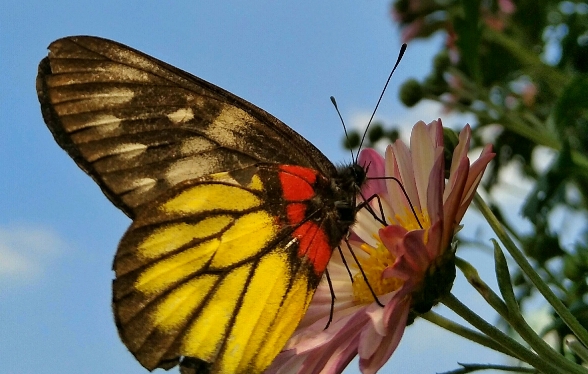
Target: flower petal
x,y
416,255
366,227
401,169
391,237
371,364
453,201
423,152
436,184
459,153
474,177
374,163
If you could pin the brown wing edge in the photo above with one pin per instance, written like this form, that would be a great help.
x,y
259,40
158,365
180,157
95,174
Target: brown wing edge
x,y
56,127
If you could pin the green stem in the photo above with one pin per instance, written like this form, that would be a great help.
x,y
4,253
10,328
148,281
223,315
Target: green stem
x,y
575,346
517,321
509,310
539,136
479,285
470,368
512,122
467,333
526,267
501,338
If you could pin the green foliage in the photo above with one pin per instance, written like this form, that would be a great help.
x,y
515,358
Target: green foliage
x,y
521,68
469,31
411,93
352,140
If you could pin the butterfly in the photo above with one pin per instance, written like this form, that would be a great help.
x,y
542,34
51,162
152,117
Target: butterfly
x,y
234,214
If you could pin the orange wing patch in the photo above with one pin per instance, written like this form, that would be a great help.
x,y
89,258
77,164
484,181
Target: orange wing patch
x,y
313,243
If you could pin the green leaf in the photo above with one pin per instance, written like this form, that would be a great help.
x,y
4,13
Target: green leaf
x,y
503,278
469,34
570,114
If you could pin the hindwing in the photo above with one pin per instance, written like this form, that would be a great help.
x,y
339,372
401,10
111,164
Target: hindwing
x,y
219,270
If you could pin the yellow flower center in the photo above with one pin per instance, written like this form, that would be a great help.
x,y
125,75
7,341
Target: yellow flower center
x,y
379,258
410,221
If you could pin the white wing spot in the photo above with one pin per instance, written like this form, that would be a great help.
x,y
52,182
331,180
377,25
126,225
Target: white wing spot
x,y
144,183
181,115
190,168
105,123
69,104
124,150
129,151
116,95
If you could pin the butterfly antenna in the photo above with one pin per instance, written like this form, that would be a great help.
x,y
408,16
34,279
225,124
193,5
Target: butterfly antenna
x,y
344,127
400,54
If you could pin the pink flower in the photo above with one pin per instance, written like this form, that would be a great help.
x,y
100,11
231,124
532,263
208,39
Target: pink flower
x,y
408,261
529,94
506,6
498,19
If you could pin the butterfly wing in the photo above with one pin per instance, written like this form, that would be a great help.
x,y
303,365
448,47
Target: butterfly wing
x,y
230,232
213,270
139,126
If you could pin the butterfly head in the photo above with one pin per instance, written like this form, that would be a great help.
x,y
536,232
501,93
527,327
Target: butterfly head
x,y
348,184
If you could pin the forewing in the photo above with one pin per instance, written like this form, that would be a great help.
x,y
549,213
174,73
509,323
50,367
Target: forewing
x,y
139,126
210,271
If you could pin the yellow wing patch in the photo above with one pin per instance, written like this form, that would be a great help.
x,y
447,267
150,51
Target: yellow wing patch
x,y
175,310
216,282
167,273
206,197
169,238
206,334
260,312
293,308
256,229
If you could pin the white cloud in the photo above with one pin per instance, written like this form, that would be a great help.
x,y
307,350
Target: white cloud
x,y
25,251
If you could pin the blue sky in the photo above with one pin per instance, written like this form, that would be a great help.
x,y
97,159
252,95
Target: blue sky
x,y
58,233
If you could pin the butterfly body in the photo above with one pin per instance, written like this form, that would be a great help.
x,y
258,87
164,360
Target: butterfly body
x,y
235,215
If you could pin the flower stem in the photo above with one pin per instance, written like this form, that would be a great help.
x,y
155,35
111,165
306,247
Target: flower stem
x,y
517,321
509,309
526,267
507,342
470,368
575,346
466,332
486,292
